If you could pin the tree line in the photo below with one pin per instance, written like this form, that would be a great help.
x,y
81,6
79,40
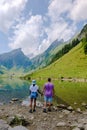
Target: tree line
x,y
65,49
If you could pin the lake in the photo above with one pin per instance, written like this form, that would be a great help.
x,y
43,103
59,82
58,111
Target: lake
x,y
13,88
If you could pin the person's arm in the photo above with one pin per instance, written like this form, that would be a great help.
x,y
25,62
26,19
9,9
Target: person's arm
x,y
30,90
39,91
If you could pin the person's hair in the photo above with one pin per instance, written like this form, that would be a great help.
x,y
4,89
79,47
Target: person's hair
x,y
49,79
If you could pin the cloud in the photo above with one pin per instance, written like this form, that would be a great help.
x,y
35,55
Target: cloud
x,y
10,10
58,12
59,26
27,35
33,36
36,33
57,8
78,11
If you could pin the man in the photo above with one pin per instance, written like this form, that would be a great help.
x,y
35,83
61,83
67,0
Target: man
x,y
48,91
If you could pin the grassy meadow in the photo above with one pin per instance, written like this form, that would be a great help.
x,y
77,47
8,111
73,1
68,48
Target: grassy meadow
x,y
72,64
71,93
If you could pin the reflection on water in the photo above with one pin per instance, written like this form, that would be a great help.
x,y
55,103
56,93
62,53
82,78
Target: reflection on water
x,y
13,88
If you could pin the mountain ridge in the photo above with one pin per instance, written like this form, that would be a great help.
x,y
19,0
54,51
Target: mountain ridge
x,y
14,58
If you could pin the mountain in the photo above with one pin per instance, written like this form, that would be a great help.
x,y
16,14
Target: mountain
x,y
57,49
45,58
14,58
73,62
83,32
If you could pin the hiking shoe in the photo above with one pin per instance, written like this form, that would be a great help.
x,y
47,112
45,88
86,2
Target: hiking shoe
x,y
30,110
34,110
44,110
49,109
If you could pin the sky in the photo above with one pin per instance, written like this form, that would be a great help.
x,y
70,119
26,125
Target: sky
x,y
33,25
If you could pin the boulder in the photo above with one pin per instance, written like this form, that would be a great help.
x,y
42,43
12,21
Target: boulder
x,y
3,125
17,120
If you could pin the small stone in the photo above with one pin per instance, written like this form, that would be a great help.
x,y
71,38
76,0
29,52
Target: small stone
x,y
61,116
62,106
70,108
79,110
32,118
83,104
45,119
61,124
75,103
76,128
66,112
14,99
55,108
11,102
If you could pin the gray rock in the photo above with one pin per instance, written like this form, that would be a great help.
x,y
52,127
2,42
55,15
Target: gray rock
x,y
70,108
61,116
85,127
66,112
55,108
18,128
39,104
76,128
61,124
62,106
3,125
82,120
17,120
75,103
14,99
79,110
83,104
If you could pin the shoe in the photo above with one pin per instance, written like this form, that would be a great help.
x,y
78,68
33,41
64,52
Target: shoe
x,y
44,110
49,109
34,110
30,110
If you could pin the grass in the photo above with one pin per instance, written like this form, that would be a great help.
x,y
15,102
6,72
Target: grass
x,y
72,64
69,92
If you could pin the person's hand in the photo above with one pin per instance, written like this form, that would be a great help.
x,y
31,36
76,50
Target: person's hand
x,y
41,94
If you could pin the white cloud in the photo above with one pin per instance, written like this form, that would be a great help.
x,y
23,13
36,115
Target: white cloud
x,y
10,10
27,35
58,30
78,11
34,35
58,7
59,27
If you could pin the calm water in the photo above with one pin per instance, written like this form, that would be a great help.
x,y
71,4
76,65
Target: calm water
x,y
13,88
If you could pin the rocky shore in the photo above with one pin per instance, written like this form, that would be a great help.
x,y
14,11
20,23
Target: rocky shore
x,y
16,116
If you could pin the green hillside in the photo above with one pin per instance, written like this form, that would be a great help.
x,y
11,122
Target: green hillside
x,y
72,64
